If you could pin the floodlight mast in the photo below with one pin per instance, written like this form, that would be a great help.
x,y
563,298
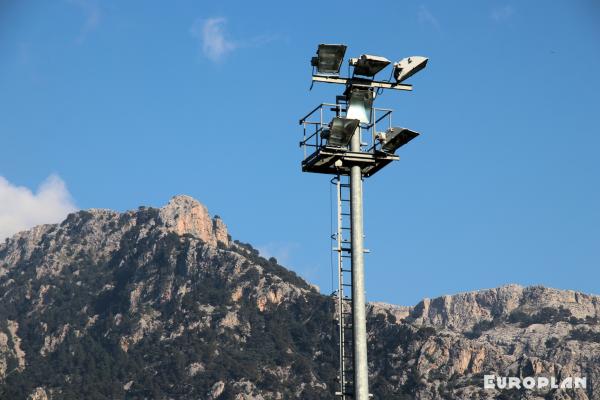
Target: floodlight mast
x,y
339,150
359,302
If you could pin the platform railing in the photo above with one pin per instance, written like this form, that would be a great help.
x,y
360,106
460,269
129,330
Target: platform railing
x,y
321,116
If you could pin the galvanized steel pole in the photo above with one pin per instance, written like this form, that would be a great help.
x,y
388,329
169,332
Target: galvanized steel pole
x,y
361,366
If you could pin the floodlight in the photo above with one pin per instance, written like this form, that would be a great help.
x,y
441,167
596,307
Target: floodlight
x,y
341,131
329,58
409,66
360,104
368,65
394,138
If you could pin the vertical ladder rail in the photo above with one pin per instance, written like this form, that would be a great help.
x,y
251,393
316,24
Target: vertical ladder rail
x,y
344,292
340,307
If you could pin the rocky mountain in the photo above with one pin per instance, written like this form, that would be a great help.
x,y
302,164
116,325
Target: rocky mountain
x,y
163,304
510,331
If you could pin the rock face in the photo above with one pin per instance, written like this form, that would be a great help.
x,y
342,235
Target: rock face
x,y
443,347
462,311
162,304
185,215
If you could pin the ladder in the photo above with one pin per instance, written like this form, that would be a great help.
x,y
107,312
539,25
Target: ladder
x,y
343,294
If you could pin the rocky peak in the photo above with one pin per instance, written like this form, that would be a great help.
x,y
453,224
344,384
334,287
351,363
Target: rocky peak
x,y
461,311
186,215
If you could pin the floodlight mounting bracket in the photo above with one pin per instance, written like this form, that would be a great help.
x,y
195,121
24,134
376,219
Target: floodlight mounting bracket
x,y
361,82
338,161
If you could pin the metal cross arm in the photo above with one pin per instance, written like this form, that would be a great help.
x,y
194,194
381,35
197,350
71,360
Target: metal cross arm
x,y
361,82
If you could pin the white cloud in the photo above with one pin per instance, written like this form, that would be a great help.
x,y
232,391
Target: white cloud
x,y
502,13
92,15
216,43
426,17
211,33
22,209
282,251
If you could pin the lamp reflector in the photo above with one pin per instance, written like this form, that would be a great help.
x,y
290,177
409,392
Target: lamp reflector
x,y
341,131
409,66
394,138
368,65
329,58
360,105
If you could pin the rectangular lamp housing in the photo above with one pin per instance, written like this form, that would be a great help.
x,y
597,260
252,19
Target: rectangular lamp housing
x,y
329,58
368,65
396,137
409,66
341,131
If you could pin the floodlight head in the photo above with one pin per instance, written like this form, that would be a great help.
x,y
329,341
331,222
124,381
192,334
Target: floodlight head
x,y
341,131
408,66
368,65
394,138
329,58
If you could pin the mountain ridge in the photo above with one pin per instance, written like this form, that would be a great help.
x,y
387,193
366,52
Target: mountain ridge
x,y
107,304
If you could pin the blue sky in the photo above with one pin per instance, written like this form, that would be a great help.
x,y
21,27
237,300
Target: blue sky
x,y
130,103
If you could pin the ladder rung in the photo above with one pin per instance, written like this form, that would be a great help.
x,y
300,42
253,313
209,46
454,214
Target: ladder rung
x,y
351,394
